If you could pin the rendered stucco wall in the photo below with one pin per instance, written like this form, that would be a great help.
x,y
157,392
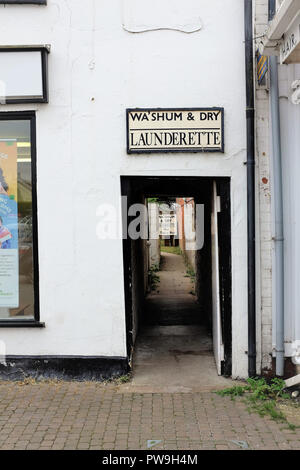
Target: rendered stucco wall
x,y
96,70
290,141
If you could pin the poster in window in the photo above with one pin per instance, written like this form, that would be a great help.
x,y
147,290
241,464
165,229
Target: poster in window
x,y
9,258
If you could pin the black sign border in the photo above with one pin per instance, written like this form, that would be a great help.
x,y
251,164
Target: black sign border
x,y
186,150
44,61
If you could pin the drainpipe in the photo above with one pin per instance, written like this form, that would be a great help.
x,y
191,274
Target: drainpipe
x,y
278,208
250,113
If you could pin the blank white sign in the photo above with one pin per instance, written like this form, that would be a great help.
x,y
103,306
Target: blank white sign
x,y
21,75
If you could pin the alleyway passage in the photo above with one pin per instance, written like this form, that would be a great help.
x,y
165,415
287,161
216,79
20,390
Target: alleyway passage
x,y
174,351
173,302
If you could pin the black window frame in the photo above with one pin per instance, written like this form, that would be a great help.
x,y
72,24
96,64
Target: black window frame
x,y
44,50
30,116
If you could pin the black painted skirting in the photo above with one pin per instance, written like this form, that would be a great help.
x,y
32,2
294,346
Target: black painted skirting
x,y
63,368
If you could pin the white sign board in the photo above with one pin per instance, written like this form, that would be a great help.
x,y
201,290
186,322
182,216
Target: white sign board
x,y
168,225
21,75
175,130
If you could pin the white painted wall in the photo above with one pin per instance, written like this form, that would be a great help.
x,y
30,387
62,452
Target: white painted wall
x,y
97,70
290,137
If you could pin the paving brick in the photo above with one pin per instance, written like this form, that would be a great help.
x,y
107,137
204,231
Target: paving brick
x,y
181,421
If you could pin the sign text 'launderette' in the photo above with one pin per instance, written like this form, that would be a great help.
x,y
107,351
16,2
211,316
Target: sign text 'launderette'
x,y
175,130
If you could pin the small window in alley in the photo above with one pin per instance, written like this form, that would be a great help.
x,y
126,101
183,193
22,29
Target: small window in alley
x,y
18,249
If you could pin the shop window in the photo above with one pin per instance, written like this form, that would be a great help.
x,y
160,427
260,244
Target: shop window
x,y
18,224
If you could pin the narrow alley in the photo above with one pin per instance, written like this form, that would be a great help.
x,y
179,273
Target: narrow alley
x,y
173,302
174,352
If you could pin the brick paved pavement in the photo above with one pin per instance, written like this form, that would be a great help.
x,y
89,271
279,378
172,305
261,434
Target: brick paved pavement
x,y
97,416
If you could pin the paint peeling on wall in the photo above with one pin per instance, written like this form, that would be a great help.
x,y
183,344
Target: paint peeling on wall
x,y
144,15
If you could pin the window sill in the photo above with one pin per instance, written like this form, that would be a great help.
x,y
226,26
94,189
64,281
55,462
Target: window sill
x,y
21,324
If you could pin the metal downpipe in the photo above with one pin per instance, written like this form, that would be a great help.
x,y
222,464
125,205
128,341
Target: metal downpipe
x,y
278,205
250,115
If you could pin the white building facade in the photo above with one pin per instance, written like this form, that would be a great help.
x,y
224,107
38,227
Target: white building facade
x,y
280,39
103,58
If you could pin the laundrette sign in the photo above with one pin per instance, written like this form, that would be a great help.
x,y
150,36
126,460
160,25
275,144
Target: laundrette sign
x,y
175,130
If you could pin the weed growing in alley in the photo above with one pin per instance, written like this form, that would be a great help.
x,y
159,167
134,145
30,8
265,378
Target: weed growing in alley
x,y
190,273
261,390
265,408
236,391
261,397
154,279
123,379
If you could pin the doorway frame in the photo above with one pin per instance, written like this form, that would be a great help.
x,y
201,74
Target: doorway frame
x,y
130,186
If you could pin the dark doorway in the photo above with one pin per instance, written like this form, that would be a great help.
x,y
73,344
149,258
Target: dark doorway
x,y
144,310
